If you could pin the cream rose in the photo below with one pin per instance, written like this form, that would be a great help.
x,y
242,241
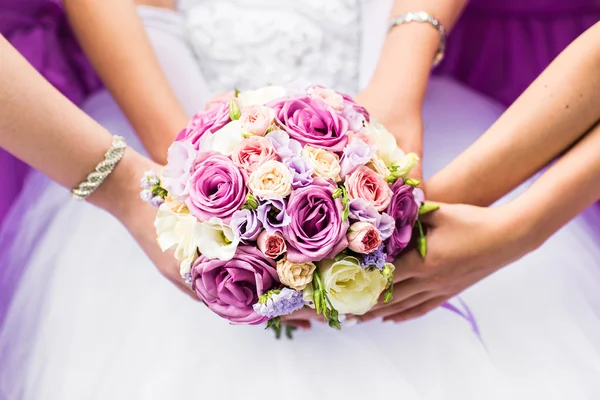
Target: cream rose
x,y
377,165
224,141
351,288
260,97
385,142
177,231
295,275
270,180
325,163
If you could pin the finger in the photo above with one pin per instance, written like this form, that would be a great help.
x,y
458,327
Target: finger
x,y
409,266
433,218
399,307
186,289
402,291
418,310
298,323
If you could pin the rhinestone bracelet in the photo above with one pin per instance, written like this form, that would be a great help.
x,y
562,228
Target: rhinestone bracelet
x,y
422,16
102,170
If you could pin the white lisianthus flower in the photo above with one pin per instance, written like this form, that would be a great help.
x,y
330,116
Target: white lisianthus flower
x,y
402,168
177,231
260,97
216,239
225,140
351,288
385,142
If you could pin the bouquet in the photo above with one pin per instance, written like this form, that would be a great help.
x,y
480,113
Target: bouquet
x,y
286,197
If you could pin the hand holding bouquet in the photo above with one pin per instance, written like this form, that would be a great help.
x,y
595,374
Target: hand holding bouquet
x,y
280,198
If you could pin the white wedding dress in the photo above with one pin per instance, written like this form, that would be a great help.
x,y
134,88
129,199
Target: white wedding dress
x,y
92,319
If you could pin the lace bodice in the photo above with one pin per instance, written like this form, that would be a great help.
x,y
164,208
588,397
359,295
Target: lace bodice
x,y
246,44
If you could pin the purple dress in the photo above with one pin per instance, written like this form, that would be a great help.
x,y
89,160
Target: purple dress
x,y
499,47
39,30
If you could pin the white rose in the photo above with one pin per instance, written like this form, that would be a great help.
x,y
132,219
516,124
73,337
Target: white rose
x,y
351,288
216,239
385,142
401,169
225,140
177,231
260,97
295,275
377,165
272,179
325,163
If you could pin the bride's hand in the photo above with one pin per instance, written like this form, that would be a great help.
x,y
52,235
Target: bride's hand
x,y
465,244
138,217
405,123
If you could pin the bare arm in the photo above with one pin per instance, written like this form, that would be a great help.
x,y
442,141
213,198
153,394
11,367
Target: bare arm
x,y
113,37
551,115
398,85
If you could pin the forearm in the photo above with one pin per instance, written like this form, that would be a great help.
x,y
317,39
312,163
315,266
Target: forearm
x,y
45,130
400,79
113,37
561,193
551,115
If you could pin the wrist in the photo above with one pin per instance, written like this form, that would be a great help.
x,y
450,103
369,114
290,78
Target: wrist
x,y
119,193
522,222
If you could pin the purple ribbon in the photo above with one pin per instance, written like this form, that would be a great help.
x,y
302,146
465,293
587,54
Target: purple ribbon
x,y
466,314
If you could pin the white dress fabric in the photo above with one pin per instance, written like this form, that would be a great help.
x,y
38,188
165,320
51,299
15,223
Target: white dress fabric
x,y
92,319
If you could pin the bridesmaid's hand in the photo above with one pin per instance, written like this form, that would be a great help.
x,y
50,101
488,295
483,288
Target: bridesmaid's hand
x,y
404,122
465,244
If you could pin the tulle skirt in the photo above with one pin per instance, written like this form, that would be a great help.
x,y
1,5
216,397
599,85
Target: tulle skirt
x,y
90,318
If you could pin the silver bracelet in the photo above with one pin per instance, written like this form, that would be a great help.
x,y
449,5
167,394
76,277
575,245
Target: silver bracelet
x,y
422,16
102,170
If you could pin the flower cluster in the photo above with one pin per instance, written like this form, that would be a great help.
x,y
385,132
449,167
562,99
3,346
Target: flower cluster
x,y
279,198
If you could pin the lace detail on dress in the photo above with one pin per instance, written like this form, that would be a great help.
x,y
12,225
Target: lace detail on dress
x,y
245,44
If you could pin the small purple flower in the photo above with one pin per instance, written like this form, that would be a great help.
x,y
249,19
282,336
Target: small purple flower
x,y
284,145
302,171
385,225
361,210
245,225
356,120
419,196
272,213
187,277
376,259
156,201
146,195
279,302
150,179
356,153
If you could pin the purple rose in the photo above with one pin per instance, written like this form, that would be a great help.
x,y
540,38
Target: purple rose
x,y
310,121
210,120
403,208
316,230
231,288
273,215
217,187
356,153
302,171
246,225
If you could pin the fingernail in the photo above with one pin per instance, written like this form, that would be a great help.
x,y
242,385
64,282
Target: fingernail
x,y
350,322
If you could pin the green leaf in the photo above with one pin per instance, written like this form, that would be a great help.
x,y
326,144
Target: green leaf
x,y
251,202
426,208
237,92
275,325
412,182
421,240
234,110
289,331
391,179
337,193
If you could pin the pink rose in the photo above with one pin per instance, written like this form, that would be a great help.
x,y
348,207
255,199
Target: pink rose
x,y
271,246
252,153
366,184
208,121
363,238
330,97
257,120
219,99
